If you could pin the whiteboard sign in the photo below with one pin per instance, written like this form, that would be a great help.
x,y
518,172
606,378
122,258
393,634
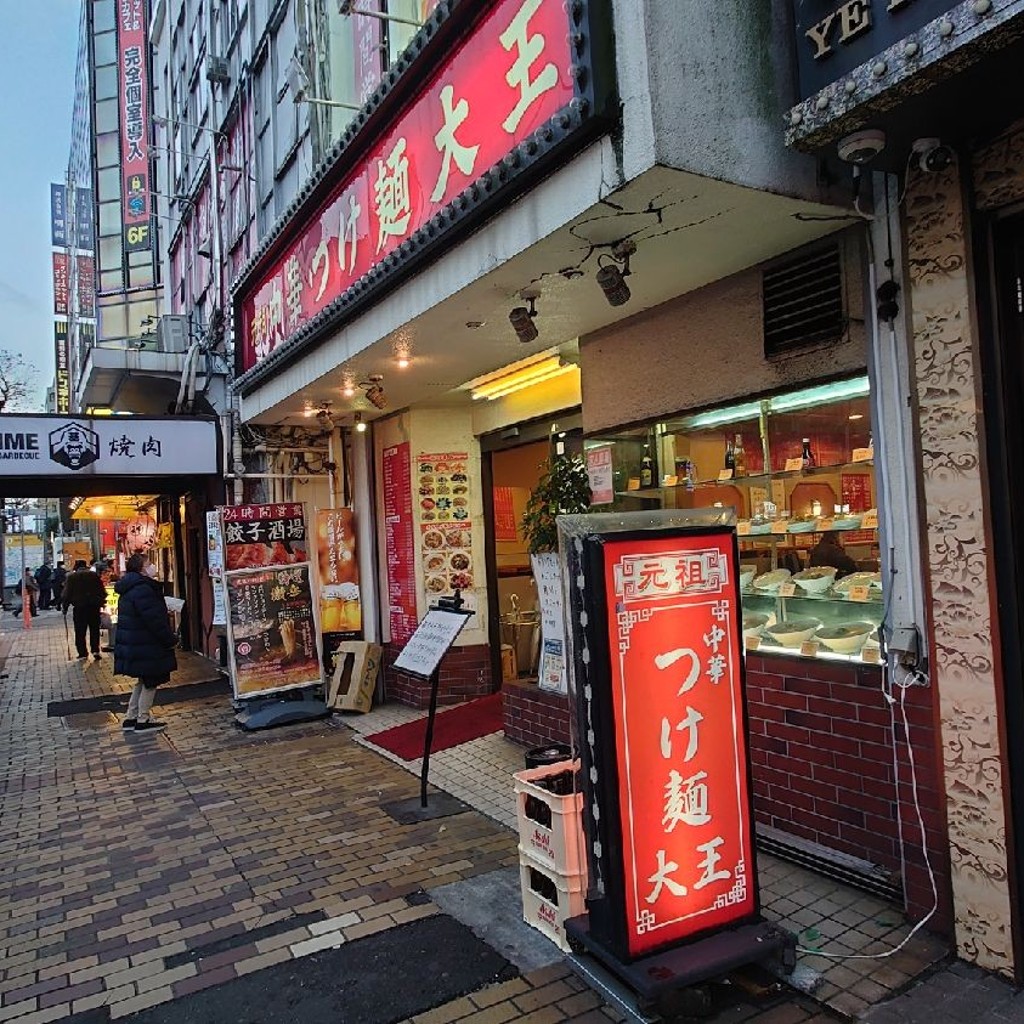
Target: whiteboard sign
x,y
429,644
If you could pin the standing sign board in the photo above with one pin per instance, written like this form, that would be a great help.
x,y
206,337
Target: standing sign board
x,y
273,640
659,682
215,567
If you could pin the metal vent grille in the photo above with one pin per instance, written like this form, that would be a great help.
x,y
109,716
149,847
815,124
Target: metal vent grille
x,y
803,302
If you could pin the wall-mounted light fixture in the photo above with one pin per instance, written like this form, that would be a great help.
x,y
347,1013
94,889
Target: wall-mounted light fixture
x,y
519,376
359,424
611,278
374,388
521,318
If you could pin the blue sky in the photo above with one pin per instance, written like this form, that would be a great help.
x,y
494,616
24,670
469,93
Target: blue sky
x,y
37,83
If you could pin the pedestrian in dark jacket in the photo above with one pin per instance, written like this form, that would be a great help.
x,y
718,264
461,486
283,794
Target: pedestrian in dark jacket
x,y
44,577
57,580
144,643
84,591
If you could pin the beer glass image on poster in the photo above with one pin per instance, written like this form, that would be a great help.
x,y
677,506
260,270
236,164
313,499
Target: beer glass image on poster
x,y
340,611
273,632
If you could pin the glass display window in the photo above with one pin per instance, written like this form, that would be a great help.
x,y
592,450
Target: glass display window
x,y
798,468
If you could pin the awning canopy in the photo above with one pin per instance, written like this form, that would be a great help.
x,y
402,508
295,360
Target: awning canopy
x,y
114,507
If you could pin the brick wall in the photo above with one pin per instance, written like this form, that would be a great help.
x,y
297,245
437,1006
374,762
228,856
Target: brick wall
x,y
465,674
533,716
822,765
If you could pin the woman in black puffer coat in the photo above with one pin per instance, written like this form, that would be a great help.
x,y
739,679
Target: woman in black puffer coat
x,y
144,643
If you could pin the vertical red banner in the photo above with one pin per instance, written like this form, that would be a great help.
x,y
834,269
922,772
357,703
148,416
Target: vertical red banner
x,y
133,66
505,515
60,283
399,542
680,735
86,285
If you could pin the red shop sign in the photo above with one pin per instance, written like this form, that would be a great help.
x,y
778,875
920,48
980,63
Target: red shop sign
x,y
505,80
680,737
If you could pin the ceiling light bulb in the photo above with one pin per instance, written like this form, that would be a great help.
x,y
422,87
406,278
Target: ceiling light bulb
x,y
360,425
403,362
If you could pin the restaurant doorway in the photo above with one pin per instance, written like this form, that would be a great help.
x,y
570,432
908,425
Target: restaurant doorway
x,y
514,460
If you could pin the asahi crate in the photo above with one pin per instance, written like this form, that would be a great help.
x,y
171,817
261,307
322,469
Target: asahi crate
x,y
549,898
551,823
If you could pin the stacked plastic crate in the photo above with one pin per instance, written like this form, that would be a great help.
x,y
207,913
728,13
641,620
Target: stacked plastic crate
x,y
552,861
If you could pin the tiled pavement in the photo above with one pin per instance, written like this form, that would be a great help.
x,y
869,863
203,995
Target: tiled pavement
x,y
137,869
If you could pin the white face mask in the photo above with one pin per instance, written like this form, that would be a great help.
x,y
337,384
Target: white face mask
x,y
151,571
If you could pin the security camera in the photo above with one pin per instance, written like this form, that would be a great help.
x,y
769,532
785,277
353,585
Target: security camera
x,y
932,155
860,147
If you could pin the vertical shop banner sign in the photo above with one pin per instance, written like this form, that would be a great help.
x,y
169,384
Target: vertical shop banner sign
x,y
61,362
85,286
505,526
446,533
507,80
272,629
680,736
83,219
263,535
338,577
399,542
599,475
60,283
133,58
215,567
58,216
369,57
547,574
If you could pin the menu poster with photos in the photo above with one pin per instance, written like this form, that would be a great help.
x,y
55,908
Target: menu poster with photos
x,y
399,542
215,567
273,637
446,532
262,535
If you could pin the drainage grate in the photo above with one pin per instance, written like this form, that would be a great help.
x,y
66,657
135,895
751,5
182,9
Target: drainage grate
x,y
802,301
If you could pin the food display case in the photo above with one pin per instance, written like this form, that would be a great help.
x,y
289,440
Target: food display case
x,y
798,468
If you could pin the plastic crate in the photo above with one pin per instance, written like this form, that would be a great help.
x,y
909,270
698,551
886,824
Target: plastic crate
x,y
549,898
551,824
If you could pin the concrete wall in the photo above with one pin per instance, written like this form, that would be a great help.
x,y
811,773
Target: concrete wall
x,y
703,349
718,81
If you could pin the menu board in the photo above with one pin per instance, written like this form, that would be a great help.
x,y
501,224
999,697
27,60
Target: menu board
x,y
429,644
399,542
215,567
273,632
446,533
261,535
547,574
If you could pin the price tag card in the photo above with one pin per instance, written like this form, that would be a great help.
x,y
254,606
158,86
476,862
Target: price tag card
x,y
869,521
787,590
743,529
794,465
725,474
780,527
671,481
633,484
809,648
863,454
860,593
871,655
751,642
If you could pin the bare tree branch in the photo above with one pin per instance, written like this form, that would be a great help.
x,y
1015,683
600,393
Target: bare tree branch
x,y
17,382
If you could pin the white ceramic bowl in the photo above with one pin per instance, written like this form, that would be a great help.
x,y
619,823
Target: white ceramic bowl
x,y
746,577
769,582
755,622
846,638
792,632
816,580
803,526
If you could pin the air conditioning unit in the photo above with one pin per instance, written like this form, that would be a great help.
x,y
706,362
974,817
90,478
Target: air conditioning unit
x,y
218,69
172,333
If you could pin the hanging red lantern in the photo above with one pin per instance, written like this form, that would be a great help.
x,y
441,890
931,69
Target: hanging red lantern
x,y
139,533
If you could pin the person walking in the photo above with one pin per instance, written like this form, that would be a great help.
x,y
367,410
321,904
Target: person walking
x,y
44,577
144,643
84,591
29,590
60,574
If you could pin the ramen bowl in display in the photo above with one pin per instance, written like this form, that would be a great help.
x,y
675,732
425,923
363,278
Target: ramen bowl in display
x,y
755,622
856,579
846,522
746,577
792,632
846,638
815,580
769,582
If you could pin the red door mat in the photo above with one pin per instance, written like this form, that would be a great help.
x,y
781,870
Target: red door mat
x,y
457,725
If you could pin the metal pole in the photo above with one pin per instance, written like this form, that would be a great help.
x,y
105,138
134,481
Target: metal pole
x,y
435,684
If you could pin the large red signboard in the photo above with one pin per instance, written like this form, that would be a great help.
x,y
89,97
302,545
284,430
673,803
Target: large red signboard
x,y
502,83
60,283
133,60
676,675
399,542
257,536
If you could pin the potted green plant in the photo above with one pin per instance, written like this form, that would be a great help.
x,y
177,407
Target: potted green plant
x,y
564,489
